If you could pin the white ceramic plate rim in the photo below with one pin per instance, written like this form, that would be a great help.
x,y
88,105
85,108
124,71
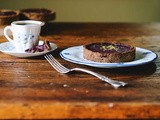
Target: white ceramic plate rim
x,y
75,55
8,48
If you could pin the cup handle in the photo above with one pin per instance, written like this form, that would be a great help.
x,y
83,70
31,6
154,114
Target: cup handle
x,y
6,35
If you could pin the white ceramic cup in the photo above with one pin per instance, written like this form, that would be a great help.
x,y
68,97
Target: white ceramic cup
x,y
25,34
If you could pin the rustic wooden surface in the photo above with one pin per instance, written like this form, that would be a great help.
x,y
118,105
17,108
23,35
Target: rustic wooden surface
x,y
31,88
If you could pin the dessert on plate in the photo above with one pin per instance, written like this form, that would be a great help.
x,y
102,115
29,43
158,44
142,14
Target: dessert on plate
x,y
109,52
8,16
41,14
40,48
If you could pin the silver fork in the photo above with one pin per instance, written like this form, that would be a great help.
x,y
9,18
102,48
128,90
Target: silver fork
x,y
60,68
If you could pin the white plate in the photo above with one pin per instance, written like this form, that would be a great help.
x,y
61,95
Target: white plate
x,y
75,55
8,48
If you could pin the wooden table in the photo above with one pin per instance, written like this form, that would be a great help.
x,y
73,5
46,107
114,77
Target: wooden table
x,y
31,88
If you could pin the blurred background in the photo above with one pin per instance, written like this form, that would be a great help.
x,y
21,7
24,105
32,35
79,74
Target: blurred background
x,y
93,10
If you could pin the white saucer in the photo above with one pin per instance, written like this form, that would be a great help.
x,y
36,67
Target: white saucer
x,y
75,55
8,48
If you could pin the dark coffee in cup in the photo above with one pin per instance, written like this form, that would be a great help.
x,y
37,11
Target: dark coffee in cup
x,y
24,24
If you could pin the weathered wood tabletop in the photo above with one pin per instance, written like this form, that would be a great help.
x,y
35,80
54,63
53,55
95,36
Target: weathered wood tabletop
x,y
31,88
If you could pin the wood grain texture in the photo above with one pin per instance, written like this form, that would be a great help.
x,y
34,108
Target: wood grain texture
x,y
31,88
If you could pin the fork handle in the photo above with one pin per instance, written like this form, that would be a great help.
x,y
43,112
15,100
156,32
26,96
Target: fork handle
x,y
114,83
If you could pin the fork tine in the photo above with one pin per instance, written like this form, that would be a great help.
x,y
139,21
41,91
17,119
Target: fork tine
x,y
58,64
55,64
51,63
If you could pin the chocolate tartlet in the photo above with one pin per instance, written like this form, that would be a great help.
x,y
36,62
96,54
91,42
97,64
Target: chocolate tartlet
x,y
8,16
41,14
109,52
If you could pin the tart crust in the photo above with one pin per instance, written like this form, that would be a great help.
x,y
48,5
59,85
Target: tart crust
x,y
108,52
8,16
41,14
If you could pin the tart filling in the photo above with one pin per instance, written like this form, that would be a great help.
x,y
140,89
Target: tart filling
x,y
108,52
40,48
7,13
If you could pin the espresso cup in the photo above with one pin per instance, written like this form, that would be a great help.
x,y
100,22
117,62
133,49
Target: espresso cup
x,y
25,34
